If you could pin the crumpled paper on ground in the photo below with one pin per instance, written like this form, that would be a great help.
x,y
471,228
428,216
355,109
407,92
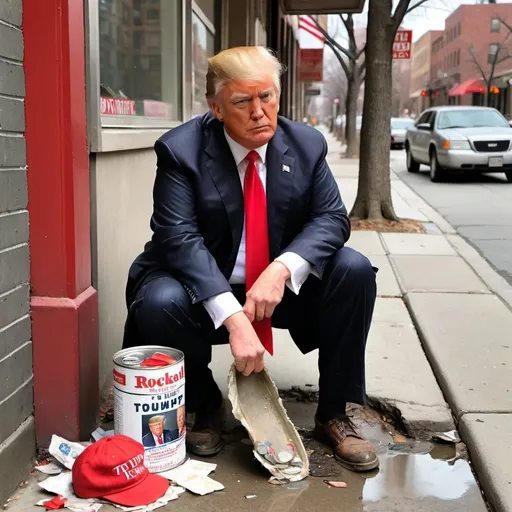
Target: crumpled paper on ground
x,y
50,468
65,451
193,475
63,485
61,481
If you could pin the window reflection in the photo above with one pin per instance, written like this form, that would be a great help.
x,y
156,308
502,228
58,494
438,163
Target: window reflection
x,y
203,43
140,58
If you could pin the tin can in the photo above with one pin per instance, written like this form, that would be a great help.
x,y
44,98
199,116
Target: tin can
x,y
149,403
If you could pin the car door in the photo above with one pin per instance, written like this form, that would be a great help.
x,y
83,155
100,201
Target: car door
x,y
414,136
424,137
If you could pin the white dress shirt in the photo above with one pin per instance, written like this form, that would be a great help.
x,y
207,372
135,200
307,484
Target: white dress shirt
x,y
222,306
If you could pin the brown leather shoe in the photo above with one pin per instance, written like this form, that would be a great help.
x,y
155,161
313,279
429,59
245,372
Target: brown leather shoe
x,y
351,450
203,438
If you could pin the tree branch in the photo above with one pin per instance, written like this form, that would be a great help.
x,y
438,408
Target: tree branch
x,y
360,52
333,42
503,22
349,27
400,12
362,68
340,60
480,69
415,6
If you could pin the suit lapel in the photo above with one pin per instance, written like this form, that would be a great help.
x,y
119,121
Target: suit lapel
x,y
280,175
224,173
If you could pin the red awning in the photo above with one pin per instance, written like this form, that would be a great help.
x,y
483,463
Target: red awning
x,y
467,87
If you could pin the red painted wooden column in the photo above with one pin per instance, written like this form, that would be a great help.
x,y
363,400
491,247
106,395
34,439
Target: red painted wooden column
x,y
64,304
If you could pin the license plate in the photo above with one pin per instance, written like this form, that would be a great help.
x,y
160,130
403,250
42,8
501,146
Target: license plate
x,y
496,161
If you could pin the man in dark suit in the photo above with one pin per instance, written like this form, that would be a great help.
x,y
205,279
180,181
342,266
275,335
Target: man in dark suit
x,y
157,434
249,232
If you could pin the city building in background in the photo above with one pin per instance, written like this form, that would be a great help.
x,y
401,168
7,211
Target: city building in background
x,y
420,71
473,48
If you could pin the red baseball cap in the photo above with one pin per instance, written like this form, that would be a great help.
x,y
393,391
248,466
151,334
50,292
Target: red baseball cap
x,y
113,468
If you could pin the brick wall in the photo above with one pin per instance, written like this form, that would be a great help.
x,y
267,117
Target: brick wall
x,y
17,440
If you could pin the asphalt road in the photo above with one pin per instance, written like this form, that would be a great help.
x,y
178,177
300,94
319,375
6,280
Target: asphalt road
x,y
478,207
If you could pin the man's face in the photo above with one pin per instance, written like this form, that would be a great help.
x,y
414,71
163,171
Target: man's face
x,y
180,417
249,111
157,428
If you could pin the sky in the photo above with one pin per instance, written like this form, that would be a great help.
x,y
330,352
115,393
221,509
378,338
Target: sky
x,y
431,16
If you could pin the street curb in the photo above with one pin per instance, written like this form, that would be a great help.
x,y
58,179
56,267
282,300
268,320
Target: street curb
x,y
432,360
497,284
484,471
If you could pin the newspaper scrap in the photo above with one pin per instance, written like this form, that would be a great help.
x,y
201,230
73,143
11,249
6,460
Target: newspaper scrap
x,y
59,484
50,467
193,475
173,493
448,437
65,451
100,433
76,504
62,485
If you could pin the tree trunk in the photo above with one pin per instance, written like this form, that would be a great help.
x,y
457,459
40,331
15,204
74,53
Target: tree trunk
x,y
353,87
373,201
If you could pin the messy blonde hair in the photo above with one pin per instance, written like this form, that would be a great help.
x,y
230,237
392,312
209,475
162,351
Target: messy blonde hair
x,y
242,63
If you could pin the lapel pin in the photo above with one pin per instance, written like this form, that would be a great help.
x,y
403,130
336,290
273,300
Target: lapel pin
x,y
286,168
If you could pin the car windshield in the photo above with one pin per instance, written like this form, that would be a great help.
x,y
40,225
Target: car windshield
x,y
401,124
469,118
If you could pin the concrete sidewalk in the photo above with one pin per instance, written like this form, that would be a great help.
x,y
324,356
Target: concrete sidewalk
x,y
462,310
440,333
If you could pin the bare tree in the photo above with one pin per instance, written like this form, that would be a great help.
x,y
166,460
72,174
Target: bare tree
x,y
352,62
373,199
487,70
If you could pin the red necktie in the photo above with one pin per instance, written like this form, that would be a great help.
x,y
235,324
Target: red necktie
x,y
256,239
160,440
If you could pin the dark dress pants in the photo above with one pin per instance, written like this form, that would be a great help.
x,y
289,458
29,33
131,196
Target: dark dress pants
x,y
332,315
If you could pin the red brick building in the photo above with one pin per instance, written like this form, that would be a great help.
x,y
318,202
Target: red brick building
x,y
472,36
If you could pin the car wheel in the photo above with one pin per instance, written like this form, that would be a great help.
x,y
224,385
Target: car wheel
x,y
412,165
508,174
437,173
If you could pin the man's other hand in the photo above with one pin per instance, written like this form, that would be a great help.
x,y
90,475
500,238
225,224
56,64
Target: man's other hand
x,y
245,344
267,292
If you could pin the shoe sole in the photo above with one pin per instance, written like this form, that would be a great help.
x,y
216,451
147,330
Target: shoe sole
x,y
209,452
358,467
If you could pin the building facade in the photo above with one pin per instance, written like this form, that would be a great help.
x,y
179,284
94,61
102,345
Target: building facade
x,y
17,431
466,52
86,88
420,71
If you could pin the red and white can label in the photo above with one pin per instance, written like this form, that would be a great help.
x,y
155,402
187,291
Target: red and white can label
x,y
150,408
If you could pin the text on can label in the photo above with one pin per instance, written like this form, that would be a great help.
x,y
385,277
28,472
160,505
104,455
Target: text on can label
x,y
142,382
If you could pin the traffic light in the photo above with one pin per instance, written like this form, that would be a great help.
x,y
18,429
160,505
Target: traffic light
x,y
424,93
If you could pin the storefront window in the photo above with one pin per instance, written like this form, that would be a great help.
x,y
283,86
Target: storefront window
x,y
140,51
203,47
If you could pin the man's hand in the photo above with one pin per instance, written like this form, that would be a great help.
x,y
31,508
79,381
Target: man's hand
x,y
267,292
245,344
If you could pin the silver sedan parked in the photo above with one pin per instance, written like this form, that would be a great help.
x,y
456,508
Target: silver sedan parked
x,y
473,139
399,126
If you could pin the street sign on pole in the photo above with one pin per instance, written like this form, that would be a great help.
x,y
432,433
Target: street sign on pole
x,y
402,45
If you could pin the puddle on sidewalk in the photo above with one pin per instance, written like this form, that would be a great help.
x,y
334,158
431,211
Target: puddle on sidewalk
x,y
416,476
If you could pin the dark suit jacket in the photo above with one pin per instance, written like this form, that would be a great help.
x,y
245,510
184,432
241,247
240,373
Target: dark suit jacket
x,y
148,440
198,211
